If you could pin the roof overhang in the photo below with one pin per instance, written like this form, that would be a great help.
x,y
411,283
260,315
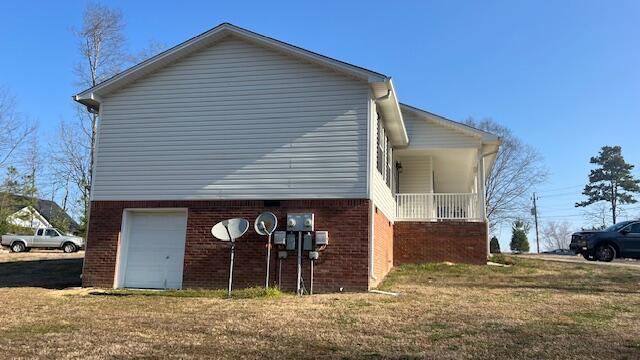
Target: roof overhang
x,y
91,97
386,99
489,143
485,136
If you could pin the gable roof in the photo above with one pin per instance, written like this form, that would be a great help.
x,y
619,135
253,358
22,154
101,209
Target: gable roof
x,y
47,208
91,96
381,85
485,136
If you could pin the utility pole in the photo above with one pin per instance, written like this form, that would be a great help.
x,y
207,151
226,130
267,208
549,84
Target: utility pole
x,y
534,212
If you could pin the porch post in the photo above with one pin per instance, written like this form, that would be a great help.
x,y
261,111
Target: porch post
x,y
482,210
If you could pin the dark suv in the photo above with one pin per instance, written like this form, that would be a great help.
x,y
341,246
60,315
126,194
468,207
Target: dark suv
x,y
621,240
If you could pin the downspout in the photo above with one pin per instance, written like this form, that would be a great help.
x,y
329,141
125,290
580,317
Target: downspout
x,y
372,274
384,97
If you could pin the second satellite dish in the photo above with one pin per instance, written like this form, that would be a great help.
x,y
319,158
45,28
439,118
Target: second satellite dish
x,y
266,223
230,230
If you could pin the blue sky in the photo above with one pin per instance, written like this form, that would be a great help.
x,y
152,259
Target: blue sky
x,y
563,75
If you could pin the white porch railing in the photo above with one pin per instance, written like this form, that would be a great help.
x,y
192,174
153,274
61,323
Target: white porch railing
x,y
437,206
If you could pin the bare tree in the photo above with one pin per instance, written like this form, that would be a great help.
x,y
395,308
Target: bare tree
x,y
102,50
101,43
13,128
518,168
556,235
71,164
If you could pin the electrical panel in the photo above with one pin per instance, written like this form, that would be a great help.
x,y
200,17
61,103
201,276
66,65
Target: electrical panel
x,y
322,238
307,242
291,241
279,238
300,222
282,254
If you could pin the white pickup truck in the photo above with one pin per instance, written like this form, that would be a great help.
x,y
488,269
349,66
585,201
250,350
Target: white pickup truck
x,y
45,238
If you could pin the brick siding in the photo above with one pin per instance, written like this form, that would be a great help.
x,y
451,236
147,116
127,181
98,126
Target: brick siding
x,y
382,247
344,263
455,241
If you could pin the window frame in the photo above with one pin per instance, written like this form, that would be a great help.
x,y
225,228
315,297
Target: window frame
x,y
384,154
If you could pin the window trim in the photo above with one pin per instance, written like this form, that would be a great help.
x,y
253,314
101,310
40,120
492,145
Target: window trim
x,y
384,154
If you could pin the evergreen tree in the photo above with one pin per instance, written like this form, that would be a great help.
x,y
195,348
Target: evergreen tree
x,y
519,240
611,181
9,187
494,246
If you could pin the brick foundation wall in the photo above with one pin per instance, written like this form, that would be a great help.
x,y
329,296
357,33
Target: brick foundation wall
x,y
382,247
343,264
455,241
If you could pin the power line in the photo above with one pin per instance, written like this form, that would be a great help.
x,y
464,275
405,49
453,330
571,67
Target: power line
x,y
560,195
562,188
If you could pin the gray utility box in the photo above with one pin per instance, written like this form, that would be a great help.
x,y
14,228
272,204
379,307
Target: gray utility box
x,y
279,238
322,238
291,241
300,222
307,242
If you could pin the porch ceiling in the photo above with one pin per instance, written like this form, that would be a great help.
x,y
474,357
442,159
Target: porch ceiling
x,y
453,169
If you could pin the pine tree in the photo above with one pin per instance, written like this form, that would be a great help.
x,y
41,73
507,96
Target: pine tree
x,y
519,240
611,181
494,245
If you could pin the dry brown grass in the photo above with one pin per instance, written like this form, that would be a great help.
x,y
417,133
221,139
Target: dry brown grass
x,y
531,310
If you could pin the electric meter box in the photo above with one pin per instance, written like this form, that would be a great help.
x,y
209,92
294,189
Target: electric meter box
x,y
322,238
307,242
291,241
300,222
279,238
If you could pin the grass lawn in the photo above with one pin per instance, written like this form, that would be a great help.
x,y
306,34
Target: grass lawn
x,y
533,310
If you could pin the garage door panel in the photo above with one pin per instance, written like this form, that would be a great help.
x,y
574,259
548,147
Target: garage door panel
x,y
155,253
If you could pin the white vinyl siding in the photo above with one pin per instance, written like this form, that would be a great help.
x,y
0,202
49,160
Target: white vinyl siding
x,y
381,193
234,121
383,198
417,175
426,134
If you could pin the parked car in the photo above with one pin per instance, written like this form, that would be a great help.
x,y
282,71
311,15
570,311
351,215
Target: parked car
x,y
44,238
560,252
621,240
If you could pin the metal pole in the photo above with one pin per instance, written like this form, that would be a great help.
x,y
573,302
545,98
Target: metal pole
x,y
233,250
266,282
311,286
279,273
535,215
298,289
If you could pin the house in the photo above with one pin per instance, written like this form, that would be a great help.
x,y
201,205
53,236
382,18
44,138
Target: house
x,y
231,124
29,213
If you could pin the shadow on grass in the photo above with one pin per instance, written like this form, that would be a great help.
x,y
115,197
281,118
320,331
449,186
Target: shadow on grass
x,y
246,293
48,274
586,289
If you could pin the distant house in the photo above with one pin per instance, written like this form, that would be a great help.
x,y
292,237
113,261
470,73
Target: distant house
x,y
42,213
232,123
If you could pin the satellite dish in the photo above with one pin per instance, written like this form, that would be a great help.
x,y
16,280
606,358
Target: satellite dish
x,y
230,230
266,223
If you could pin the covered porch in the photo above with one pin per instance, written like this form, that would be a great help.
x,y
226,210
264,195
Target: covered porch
x,y
440,185
441,175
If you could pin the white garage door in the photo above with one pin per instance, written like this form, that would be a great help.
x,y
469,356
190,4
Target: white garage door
x,y
155,250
